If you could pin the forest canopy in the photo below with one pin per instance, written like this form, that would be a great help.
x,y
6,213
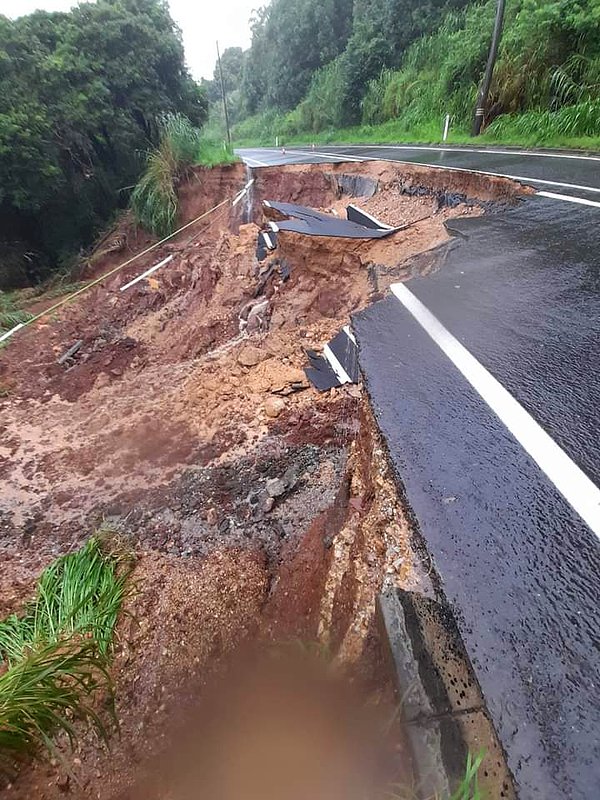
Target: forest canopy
x,y
323,66
81,98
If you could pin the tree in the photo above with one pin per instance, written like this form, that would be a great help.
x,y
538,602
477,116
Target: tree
x,y
80,96
290,42
232,63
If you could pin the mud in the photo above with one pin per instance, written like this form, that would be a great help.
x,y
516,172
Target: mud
x,y
252,520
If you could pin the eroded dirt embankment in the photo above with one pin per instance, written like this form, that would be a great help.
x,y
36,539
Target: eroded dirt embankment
x,y
258,508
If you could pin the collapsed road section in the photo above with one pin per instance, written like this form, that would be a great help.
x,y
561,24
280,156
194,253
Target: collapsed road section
x,y
178,414
477,378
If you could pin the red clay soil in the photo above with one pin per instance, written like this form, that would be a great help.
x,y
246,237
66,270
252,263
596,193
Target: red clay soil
x,y
171,428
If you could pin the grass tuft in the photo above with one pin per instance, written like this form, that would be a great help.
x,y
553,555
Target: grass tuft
x,y
468,789
80,594
154,199
10,314
58,651
47,691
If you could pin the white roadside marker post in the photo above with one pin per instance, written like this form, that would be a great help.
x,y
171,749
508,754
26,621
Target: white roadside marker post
x,y
446,127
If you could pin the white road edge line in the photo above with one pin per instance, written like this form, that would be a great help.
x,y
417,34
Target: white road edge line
x,y
570,199
380,225
310,153
577,489
257,163
147,272
348,331
482,150
342,157
340,372
523,178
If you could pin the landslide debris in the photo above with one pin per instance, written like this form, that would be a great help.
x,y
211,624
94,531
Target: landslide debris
x,y
258,508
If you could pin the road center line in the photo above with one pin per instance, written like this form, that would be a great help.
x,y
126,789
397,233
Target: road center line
x,y
570,199
577,489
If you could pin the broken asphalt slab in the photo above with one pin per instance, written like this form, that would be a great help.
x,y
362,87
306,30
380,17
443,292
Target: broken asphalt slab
x,y
309,221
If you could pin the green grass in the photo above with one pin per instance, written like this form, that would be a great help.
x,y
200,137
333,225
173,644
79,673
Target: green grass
x,y
468,789
57,652
47,691
511,130
212,154
79,594
10,314
154,200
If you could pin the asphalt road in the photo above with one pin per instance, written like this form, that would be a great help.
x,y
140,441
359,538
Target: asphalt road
x,y
485,380
568,174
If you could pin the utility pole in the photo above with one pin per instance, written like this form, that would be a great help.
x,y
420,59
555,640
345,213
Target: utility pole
x,y
489,70
224,98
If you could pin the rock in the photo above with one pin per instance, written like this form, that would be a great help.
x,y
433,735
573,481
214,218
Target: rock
x,y
275,487
268,504
101,381
274,406
250,356
289,381
354,391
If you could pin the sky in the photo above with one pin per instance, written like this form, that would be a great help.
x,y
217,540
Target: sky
x,y
201,22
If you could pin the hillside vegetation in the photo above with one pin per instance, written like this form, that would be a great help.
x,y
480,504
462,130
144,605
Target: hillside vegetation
x,y
81,99
395,68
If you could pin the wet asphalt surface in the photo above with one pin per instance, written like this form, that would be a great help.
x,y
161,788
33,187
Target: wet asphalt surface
x,y
568,174
518,566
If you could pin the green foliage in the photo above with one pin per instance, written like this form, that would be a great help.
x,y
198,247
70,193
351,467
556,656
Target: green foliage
x,y
45,692
80,94
538,71
290,41
10,315
232,66
212,154
468,789
406,65
78,595
57,652
439,74
154,199
322,107
538,127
